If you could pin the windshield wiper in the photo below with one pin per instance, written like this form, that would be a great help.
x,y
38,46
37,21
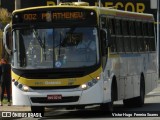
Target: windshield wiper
x,y
39,39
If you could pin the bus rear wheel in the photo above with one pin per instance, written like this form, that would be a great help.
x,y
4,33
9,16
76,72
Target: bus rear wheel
x,y
140,99
137,101
38,109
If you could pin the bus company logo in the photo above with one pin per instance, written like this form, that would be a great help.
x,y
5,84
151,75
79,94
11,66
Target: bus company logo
x,y
6,114
52,83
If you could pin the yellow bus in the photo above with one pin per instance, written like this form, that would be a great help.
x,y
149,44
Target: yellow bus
x,y
74,55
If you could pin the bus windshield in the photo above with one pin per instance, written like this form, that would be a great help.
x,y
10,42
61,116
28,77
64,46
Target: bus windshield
x,y
55,47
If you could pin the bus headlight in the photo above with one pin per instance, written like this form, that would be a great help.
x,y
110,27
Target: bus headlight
x,y
25,88
21,86
89,84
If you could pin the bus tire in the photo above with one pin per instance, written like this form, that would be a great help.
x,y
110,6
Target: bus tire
x,y
140,100
38,109
137,101
107,107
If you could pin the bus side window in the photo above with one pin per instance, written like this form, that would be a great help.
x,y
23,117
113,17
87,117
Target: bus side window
x,y
151,28
110,24
140,39
146,36
133,35
119,38
127,41
151,36
104,34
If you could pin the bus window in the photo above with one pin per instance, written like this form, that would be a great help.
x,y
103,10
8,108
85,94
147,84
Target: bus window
x,y
118,27
119,44
111,27
138,25
151,29
151,41
119,38
152,44
132,36
125,27
134,44
145,28
126,38
113,44
127,44
141,44
132,28
146,35
110,24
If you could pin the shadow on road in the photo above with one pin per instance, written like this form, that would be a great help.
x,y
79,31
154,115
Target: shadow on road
x,y
152,108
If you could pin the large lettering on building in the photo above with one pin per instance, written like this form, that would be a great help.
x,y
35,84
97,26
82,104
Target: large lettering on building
x,y
130,5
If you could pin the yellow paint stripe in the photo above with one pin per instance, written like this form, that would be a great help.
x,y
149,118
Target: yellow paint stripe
x,y
56,82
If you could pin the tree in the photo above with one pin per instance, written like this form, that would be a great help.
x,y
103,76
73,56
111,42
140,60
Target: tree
x,y
5,18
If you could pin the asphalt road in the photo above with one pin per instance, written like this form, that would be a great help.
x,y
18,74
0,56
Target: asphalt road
x,y
150,111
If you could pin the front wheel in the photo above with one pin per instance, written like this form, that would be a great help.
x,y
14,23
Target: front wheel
x,y
38,109
107,107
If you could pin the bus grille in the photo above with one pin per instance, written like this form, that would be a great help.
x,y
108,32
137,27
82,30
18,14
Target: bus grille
x,y
53,87
63,100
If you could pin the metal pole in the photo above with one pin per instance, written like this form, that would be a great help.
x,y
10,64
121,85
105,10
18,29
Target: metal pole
x,y
17,4
58,1
158,4
99,3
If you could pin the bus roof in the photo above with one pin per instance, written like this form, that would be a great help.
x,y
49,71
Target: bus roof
x,y
100,10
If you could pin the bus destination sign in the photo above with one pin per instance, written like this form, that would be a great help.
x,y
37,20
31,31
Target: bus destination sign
x,y
54,16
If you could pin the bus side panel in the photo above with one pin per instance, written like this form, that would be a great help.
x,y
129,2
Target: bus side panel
x,y
107,80
136,85
93,95
155,72
151,76
148,82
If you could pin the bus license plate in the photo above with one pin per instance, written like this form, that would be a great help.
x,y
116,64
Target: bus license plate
x,y
54,97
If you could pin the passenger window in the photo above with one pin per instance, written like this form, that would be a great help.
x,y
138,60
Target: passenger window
x,y
131,27
145,28
151,29
118,27
152,44
141,44
125,27
127,44
138,28
119,44
110,24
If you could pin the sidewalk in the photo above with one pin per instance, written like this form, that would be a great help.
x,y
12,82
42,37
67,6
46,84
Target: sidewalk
x,y
5,107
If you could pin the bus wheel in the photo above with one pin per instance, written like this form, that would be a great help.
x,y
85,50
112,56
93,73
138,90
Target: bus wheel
x,y
38,109
107,107
137,101
140,99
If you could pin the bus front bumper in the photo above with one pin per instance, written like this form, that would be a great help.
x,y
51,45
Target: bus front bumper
x,y
58,97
